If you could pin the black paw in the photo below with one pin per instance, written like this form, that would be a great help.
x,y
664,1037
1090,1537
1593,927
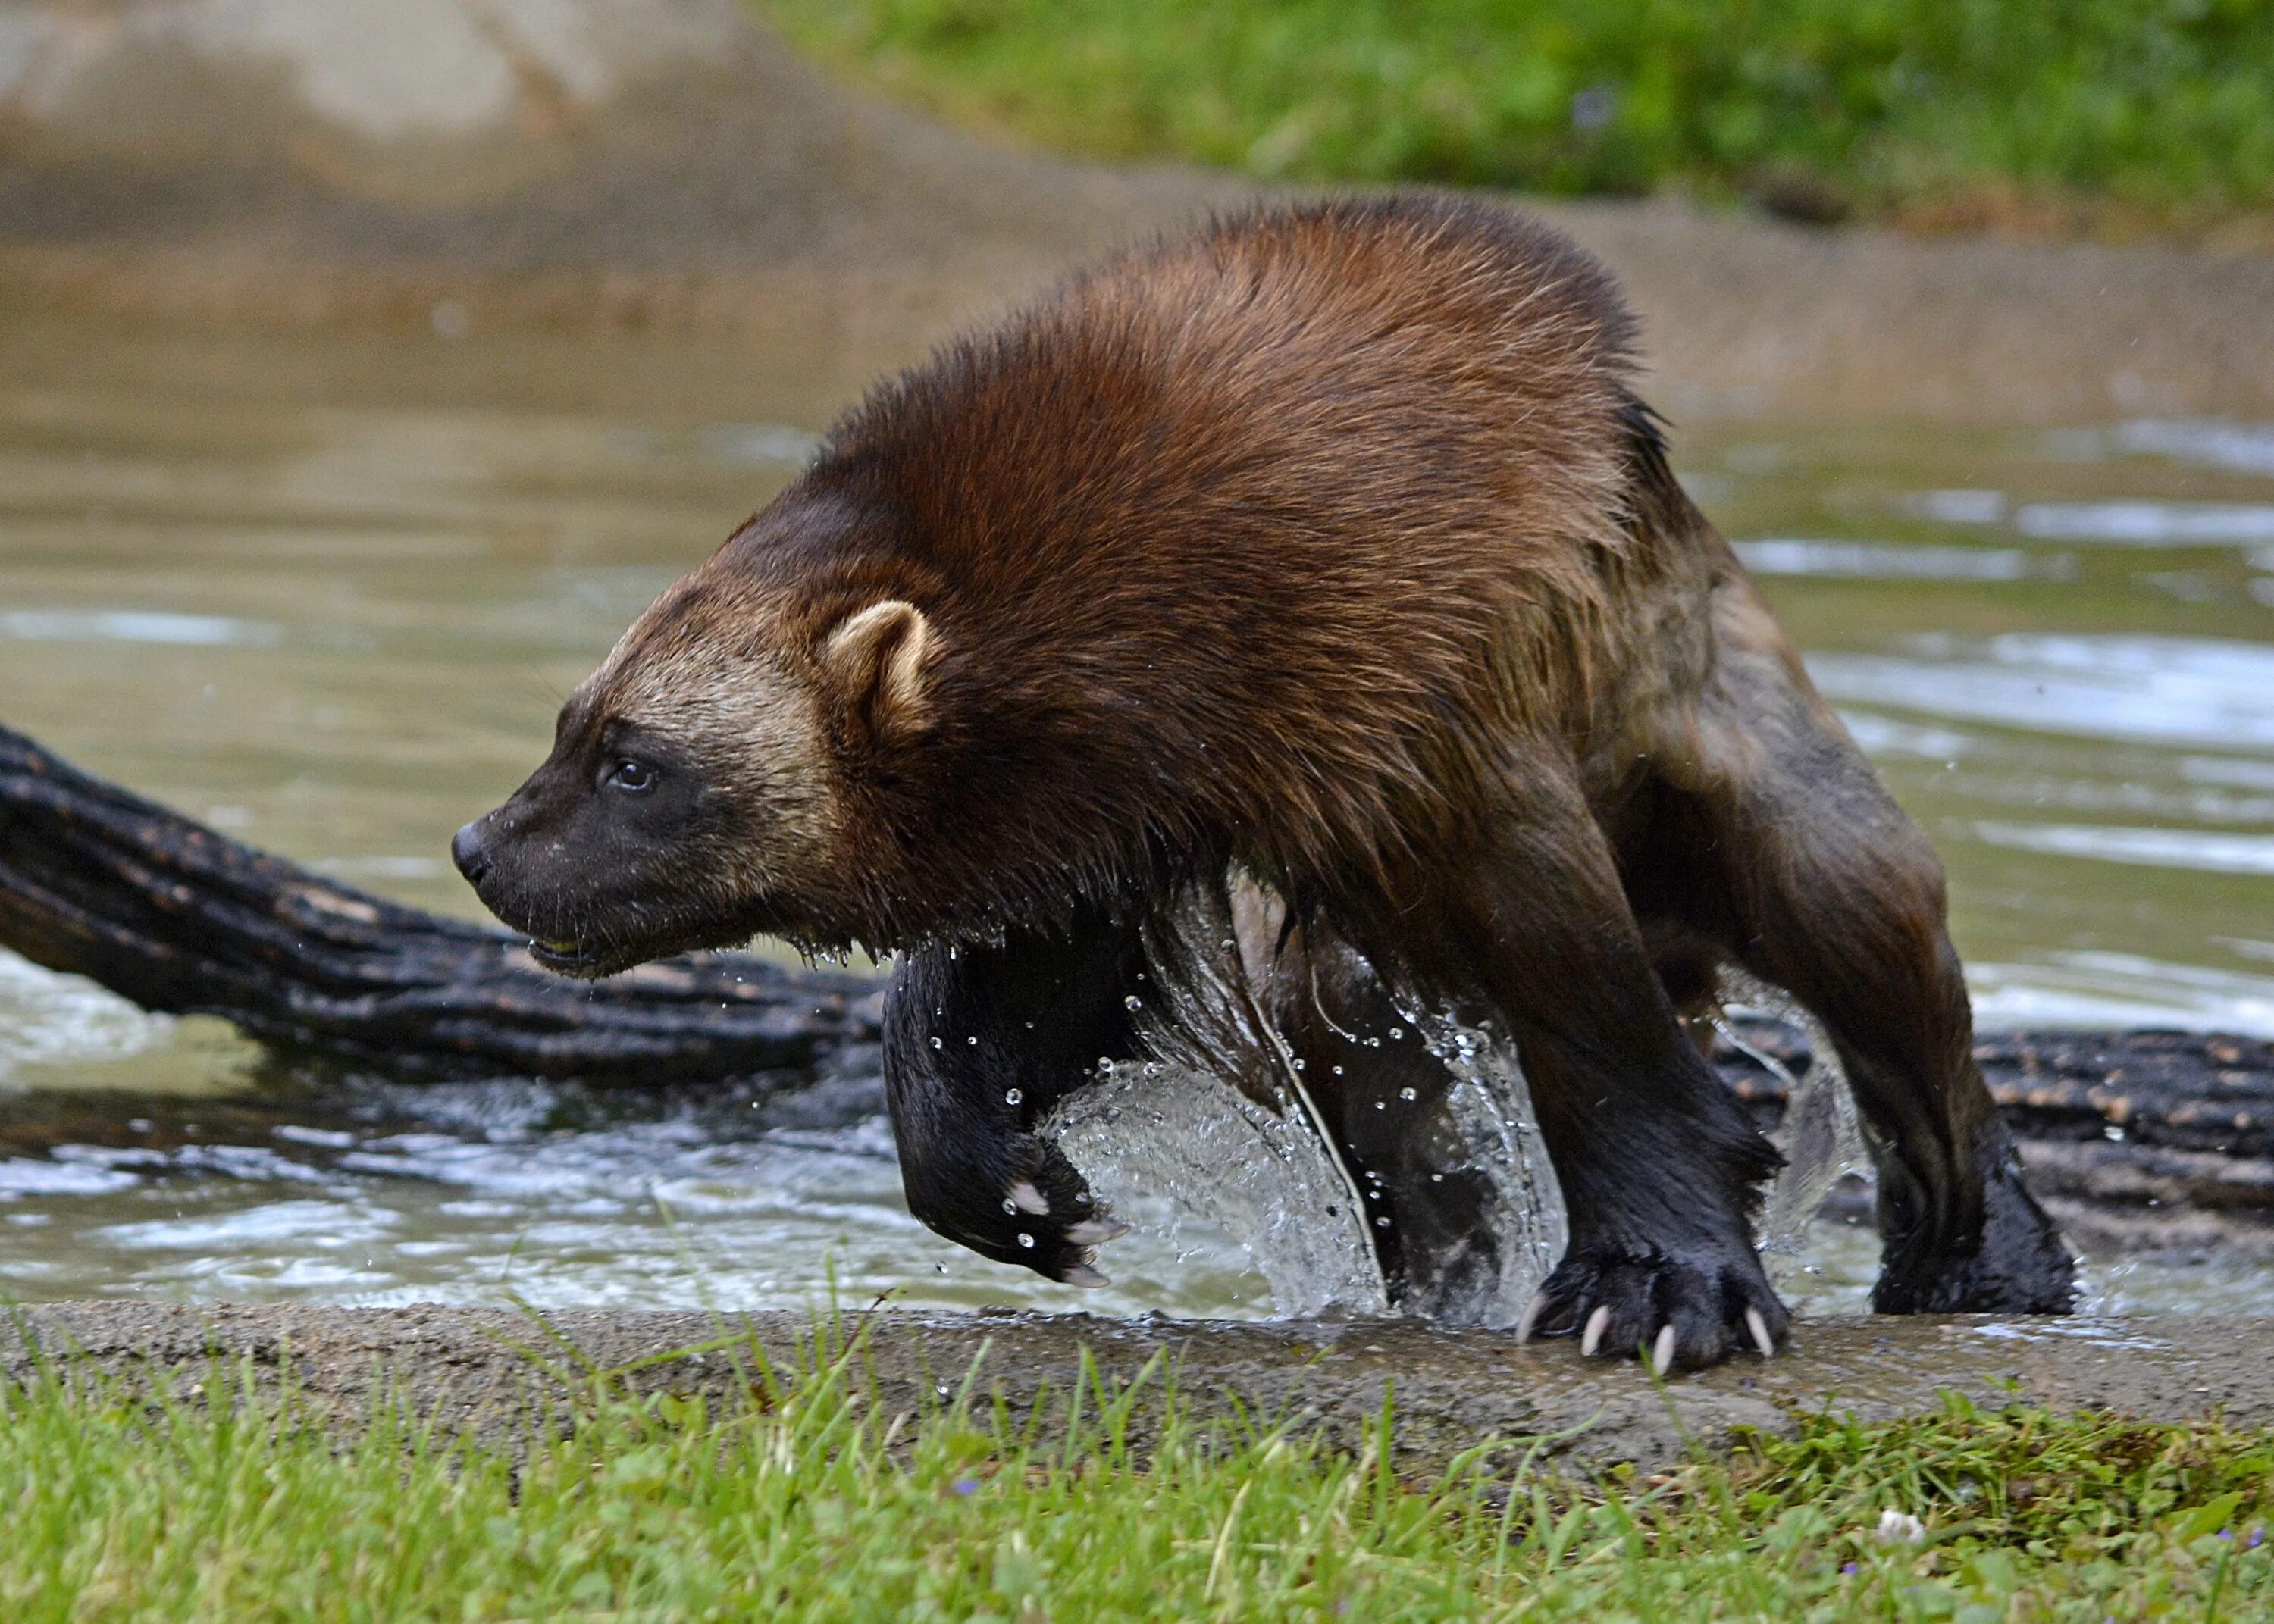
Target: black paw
x,y
1678,1310
2019,1265
1033,1209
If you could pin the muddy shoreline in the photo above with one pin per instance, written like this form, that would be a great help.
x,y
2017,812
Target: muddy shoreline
x,y
494,1371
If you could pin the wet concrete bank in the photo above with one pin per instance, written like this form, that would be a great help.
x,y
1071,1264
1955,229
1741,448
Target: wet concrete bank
x,y
492,1371
668,163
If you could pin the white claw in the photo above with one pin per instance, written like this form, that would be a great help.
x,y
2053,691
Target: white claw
x,y
1661,1356
1026,1198
1095,1231
1759,1328
1082,1275
1532,1313
1591,1338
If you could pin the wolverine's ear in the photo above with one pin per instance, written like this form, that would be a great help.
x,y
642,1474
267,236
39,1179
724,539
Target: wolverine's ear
x,y
877,657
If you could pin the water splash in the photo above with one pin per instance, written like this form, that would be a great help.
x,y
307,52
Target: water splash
x,y
1489,1108
1187,1138
1820,1137
1221,1123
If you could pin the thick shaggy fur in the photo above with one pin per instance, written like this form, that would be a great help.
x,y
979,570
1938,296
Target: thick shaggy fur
x,y
1267,541
1330,547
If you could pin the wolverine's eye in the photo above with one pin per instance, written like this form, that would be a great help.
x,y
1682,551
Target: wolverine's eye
x,y
633,778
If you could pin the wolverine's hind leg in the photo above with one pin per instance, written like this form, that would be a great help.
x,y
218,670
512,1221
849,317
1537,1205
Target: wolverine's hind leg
x,y
1815,880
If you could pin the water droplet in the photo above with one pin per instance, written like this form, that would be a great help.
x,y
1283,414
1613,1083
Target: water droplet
x,y
1409,1094
1011,1097
954,953
935,1042
1105,1066
1339,1071
1381,1223
1025,1239
1081,1198
1381,1105
1152,1068
1298,1063
1437,1178
1229,945
1009,1206
1374,1043
1397,1032
1132,1003
972,1041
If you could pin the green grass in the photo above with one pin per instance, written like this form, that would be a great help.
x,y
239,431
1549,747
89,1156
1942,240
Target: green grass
x,y
801,1501
1943,111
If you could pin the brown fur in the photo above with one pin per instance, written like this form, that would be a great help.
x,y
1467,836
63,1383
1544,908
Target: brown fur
x,y
1312,512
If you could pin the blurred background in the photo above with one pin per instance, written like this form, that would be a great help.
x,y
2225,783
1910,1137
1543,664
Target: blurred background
x,y
366,364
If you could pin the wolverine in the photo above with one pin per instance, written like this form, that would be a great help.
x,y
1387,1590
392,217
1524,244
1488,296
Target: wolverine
x,y
1325,556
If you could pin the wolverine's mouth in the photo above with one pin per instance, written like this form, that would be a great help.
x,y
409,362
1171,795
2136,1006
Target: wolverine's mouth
x,y
591,959
586,960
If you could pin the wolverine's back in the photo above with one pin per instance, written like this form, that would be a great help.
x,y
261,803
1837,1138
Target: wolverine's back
x,y
1303,510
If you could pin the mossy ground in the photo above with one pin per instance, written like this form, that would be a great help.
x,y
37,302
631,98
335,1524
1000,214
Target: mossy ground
x,y
2105,114
801,1502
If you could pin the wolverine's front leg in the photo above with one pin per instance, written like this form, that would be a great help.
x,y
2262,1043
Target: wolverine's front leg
x,y
1659,1166
980,1045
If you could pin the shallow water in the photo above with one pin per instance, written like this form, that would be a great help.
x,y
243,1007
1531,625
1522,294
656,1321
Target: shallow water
x,y
324,593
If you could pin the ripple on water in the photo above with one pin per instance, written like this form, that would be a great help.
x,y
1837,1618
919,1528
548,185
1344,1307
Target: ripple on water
x,y
2211,851
2189,691
2216,442
2091,989
325,1225
138,625
46,1018
1884,561
2148,524
658,1204
24,1176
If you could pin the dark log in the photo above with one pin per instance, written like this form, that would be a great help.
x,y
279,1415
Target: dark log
x,y
178,918
102,883
2195,1092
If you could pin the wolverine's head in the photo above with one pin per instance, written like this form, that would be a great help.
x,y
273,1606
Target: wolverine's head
x,y
699,790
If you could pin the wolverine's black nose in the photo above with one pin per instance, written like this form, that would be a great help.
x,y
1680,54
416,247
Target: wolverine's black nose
x,y
466,852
